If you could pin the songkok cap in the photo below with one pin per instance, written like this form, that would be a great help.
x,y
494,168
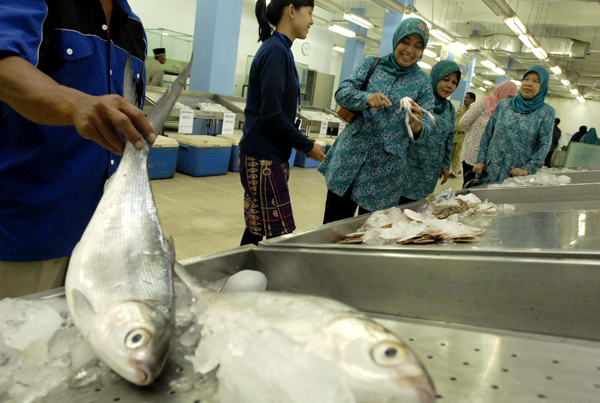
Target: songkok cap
x,y
159,52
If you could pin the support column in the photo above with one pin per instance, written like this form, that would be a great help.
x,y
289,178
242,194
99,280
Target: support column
x,y
216,38
390,24
355,49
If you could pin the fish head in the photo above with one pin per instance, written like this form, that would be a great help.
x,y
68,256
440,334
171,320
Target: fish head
x,y
133,339
378,365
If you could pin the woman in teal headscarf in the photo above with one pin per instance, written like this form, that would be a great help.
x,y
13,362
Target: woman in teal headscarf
x,y
367,164
590,137
430,158
519,133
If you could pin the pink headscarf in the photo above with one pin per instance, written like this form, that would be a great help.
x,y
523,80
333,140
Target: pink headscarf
x,y
502,91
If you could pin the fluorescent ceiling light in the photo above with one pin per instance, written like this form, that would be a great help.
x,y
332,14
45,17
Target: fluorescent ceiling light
x,y
526,39
442,36
461,47
516,82
342,31
499,71
566,83
488,82
424,65
429,53
581,99
413,15
540,53
164,33
556,70
516,25
437,59
358,20
339,49
488,64
482,89
575,91
471,84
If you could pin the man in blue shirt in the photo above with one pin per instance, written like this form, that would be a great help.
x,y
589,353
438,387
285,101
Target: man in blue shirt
x,y
61,80
577,136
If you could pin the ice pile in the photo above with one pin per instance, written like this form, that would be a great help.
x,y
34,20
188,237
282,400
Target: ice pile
x,y
446,203
179,105
546,170
539,179
321,116
211,107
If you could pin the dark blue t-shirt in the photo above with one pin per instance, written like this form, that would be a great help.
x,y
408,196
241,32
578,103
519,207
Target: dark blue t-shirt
x,y
272,102
51,179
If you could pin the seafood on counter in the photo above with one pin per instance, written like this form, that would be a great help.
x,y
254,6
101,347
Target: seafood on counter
x,y
540,179
283,348
119,284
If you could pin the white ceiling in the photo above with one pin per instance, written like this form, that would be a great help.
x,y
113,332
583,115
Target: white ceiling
x,y
578,19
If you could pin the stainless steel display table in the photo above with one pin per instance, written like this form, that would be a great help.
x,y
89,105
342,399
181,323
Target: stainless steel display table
x,y
488,328
549,220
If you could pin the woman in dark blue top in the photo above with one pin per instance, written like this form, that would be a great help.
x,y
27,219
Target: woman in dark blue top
x,y
269,131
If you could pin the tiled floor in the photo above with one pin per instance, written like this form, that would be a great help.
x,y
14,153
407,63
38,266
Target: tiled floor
x,y
205,215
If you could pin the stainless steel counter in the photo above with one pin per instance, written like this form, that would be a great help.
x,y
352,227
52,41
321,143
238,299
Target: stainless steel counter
x,y
548,221
488,329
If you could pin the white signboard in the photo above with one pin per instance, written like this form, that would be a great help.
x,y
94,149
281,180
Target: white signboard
x,y
323,131
341,129
228,123
186,121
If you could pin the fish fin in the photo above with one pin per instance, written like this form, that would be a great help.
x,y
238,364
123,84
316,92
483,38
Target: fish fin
x,y
83,309
171,250
130,86
188,280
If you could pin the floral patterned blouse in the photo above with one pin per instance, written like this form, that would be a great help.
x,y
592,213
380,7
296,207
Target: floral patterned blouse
x,y
473,122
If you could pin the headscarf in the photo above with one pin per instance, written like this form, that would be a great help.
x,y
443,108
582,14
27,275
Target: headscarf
x,y
590,137
407,27
502,91
523,105
439,71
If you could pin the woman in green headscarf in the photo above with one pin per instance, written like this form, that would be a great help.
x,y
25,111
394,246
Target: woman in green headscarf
x,y
430,159
366,167
590,137
518,136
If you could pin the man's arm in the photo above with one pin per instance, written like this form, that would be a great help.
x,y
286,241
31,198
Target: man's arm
x,y
39,98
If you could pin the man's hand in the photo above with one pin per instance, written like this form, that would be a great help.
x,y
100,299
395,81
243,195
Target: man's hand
x,y
479,168
100,118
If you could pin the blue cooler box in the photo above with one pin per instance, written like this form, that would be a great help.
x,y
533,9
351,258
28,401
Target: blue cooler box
x,y
163,158
293,157
305,162
235,149
203,155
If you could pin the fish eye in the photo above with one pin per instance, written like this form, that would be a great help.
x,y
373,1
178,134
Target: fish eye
x,y
387,354
137,338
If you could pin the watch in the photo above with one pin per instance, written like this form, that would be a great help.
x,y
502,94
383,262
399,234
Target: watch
x,y
306,48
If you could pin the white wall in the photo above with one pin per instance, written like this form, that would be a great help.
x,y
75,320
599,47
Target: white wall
x,y
573,114
179,16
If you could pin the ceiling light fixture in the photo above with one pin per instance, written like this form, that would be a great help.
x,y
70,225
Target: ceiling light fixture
x,y
442,36
488,82
499,71
342,31
581,99
429,53
526,39
339,49
482,89
575,91
556,70
424,65
488,64
540,53
459,46
516,25
516,82
358,20
566,83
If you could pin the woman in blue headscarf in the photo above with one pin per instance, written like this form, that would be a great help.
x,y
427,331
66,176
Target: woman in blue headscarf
x,y
367,164
519,134
590,137
430,158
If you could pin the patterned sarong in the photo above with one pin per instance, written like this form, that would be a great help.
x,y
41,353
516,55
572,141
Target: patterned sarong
x,y
267,205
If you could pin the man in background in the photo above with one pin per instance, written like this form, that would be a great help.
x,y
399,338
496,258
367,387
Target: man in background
x,y
459,137
556,135
156,71
577,136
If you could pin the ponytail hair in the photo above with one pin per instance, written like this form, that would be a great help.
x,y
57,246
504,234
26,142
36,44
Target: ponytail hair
x,y
269,16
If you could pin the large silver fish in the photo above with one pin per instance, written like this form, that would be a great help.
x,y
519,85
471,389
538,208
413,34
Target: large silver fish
x,y
119,284
276,347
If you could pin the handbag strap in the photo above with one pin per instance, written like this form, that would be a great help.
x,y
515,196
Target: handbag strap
x,y
366,83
